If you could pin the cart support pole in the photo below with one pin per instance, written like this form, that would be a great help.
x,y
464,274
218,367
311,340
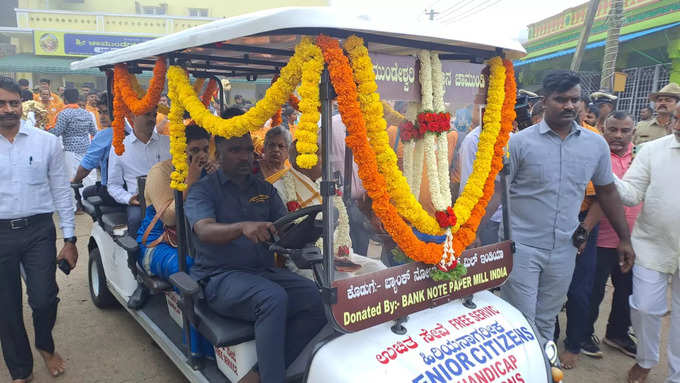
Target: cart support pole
x,y
182,258
327,184
505,200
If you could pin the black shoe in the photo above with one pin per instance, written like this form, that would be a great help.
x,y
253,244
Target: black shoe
x,y
138,298
591,348
625,345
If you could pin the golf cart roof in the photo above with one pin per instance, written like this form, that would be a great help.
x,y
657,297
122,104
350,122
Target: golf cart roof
x,y
261,43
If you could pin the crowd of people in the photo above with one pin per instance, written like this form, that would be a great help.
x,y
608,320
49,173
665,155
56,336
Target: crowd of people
x,y
570,174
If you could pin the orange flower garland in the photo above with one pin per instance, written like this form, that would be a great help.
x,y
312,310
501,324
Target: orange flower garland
x,y
125,99
357,140
276,118
466,234
209,92
153,94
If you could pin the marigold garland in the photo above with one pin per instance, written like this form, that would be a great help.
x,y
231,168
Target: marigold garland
x,y
126,99
357,139
306,133
469,229
277,117
184,97
209,92
473,192
406,203
178,143
492,138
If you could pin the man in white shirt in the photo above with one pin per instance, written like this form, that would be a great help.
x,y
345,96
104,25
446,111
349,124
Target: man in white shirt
x,y
34,183
143,149
654,178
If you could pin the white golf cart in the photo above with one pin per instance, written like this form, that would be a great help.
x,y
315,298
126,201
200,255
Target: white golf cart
x,y
395,325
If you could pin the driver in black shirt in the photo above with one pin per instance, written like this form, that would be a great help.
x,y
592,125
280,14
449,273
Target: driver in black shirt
x,y
231,212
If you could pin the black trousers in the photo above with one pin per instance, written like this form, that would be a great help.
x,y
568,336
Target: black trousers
x,y
619,316
33,247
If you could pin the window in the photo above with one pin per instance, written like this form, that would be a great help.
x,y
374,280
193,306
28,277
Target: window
x,y
198,12
151,10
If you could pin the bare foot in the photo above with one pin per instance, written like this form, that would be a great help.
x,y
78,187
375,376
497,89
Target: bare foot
x,y
568,360
53,362
638,374
30,378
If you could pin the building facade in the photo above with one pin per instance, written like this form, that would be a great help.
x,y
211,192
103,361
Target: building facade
x,y
649,48
45,36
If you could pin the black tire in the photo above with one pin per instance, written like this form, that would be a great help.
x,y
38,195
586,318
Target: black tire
x,y
99,290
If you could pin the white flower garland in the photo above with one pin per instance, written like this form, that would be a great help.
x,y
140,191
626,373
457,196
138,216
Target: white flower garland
x,y
341,235
437,85
436,144
289,189
413,154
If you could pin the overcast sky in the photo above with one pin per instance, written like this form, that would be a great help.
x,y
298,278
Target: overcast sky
x,y
511,15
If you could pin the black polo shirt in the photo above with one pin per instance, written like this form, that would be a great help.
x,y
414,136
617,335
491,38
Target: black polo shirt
x,y
217,196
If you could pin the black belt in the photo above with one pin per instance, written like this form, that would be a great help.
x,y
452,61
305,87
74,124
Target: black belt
x,y
22,223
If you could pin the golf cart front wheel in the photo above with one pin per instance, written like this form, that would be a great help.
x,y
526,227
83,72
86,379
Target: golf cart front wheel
x,y
99,291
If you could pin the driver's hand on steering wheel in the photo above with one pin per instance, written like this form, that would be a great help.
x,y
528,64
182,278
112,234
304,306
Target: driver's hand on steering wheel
x,y
258,231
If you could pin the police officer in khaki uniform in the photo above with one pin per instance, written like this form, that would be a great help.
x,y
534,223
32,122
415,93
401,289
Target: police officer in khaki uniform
x,y
665,102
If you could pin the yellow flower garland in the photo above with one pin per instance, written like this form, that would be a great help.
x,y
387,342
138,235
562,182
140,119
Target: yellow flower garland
x,y
406,203
183,97
307,130
474,187
178,143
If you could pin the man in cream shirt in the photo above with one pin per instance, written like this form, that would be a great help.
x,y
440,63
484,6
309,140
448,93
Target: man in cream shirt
x,y
654,179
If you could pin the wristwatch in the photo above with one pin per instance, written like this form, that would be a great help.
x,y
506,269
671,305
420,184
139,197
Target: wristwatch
x,y
72,240
580,236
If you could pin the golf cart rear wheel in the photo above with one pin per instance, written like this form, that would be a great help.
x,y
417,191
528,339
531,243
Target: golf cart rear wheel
x,y
99,291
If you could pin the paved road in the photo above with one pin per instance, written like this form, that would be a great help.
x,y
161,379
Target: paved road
x,y
107,346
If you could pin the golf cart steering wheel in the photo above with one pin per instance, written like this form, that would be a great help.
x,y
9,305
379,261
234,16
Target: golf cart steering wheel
x,y
299,228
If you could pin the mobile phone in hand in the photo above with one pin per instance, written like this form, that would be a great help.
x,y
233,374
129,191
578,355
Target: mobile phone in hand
x,y
64,266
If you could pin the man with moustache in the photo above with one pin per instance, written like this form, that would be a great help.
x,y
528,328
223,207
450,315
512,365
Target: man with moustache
x,y
143,149
654,179
665,103
550,165
34,183
231,213
618,132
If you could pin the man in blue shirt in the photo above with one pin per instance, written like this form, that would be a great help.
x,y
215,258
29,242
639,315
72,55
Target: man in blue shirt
x,y
549,168
231,213
97,156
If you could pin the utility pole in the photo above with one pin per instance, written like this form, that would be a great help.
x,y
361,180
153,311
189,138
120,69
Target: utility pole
x,y
585,33
611,48
432,12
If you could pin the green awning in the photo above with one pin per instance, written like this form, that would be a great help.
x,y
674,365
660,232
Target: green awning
x,y
42,64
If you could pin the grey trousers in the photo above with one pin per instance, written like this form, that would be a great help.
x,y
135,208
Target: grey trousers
x,y
538,284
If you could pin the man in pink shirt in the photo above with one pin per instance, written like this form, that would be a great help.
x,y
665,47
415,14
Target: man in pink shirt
x,y
618,132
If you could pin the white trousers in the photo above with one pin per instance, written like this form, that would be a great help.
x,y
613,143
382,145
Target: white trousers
x,y
647,306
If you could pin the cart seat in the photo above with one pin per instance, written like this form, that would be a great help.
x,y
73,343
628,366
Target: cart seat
x,y
222,331
112,221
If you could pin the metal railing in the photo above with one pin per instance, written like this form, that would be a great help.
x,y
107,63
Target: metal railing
x,y
640,82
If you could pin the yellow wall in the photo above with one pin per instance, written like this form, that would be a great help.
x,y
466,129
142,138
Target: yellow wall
x,y
216,8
